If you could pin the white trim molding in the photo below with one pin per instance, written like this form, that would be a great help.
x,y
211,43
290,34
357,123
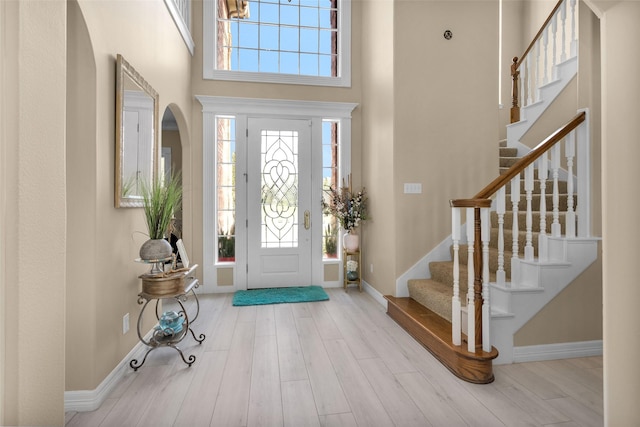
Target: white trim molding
x,y
90,400
183,23
566,350
242,109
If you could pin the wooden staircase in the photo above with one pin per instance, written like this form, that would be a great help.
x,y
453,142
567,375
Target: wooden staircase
x,y
439,311
426,313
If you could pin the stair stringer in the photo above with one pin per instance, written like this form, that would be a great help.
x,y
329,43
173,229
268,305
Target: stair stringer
x,y
540,282
564,72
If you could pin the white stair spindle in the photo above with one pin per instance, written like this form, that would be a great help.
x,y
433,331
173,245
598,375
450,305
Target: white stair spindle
x,y
532,83
486,305
528,189
515,261
545,38
574,39
543,169
471,307
563,17
570,153
536,74
456,331
556,230
501,276
554,60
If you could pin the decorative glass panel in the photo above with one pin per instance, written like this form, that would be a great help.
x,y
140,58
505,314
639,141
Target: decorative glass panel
x,y
279,171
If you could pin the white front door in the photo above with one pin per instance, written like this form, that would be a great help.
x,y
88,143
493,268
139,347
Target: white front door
x,y
279,203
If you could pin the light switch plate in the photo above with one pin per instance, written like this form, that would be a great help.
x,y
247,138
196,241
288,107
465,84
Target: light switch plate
x,y
412,188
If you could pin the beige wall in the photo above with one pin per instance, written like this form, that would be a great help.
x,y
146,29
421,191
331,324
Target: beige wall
x,y
377,54
446,117
33,211
102,281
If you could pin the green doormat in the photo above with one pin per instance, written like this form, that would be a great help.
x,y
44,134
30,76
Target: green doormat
x,y
280,295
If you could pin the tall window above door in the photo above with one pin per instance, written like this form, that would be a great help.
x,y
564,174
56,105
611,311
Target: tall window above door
x,y
278,41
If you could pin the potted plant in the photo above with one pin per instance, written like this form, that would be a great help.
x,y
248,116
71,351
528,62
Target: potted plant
x,y
349,208
161,198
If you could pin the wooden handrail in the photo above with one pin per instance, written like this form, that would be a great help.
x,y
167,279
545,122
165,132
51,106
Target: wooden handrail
x,y
520,165
535,39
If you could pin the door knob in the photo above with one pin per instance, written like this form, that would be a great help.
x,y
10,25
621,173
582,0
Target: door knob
x,y
307,220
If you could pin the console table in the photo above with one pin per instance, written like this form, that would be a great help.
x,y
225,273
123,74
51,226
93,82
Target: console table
x,y
176,285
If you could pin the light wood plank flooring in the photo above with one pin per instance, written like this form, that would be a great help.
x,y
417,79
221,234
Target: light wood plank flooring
x,y
341,362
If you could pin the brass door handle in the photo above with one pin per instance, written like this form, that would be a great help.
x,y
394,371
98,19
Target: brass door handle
x,y
307,220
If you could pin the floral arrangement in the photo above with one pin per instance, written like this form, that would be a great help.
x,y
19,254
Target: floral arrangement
x,y
352,265
348,207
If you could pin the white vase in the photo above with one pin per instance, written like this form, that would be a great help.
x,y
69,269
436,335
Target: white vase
x,y
350,242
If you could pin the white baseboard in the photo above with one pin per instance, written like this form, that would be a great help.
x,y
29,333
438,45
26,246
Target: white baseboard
x,y
567,350
90,400
375,294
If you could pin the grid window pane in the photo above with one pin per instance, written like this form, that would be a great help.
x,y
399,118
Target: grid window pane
x,y
289,15
289,39
247,60
309,17
268,61
298,26
289,62
308,40
268,37
248,36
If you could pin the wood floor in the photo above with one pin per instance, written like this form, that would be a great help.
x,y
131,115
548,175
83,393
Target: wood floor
x,y
341,362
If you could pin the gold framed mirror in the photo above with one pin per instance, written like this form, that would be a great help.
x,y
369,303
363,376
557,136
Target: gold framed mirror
x,y
136,135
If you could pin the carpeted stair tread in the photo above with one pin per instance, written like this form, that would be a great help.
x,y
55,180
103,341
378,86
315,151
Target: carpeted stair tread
x,y
433,295
493,259
442,272
508,152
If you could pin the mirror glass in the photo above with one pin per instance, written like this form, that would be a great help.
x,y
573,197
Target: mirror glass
x,y
136,135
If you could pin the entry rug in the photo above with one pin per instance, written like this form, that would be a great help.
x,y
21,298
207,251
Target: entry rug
x,y
280,295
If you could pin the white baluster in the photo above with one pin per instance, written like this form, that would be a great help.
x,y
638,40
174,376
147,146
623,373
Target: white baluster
x,y
531,81
528,191
543,169
523,83
486,304
515,261
500,210
574,39
471,307
563,17
556,230
456,332
570,152
554,60
536,70
545,38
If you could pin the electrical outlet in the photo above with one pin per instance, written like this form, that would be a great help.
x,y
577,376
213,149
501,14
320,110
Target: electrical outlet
x,y
125,324
371,268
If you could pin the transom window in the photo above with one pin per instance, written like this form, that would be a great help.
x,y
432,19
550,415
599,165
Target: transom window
x,y
288,41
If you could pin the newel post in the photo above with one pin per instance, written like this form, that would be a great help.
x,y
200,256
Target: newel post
x,y
515,76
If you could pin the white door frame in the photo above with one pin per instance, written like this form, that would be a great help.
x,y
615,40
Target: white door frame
x,y
242,108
